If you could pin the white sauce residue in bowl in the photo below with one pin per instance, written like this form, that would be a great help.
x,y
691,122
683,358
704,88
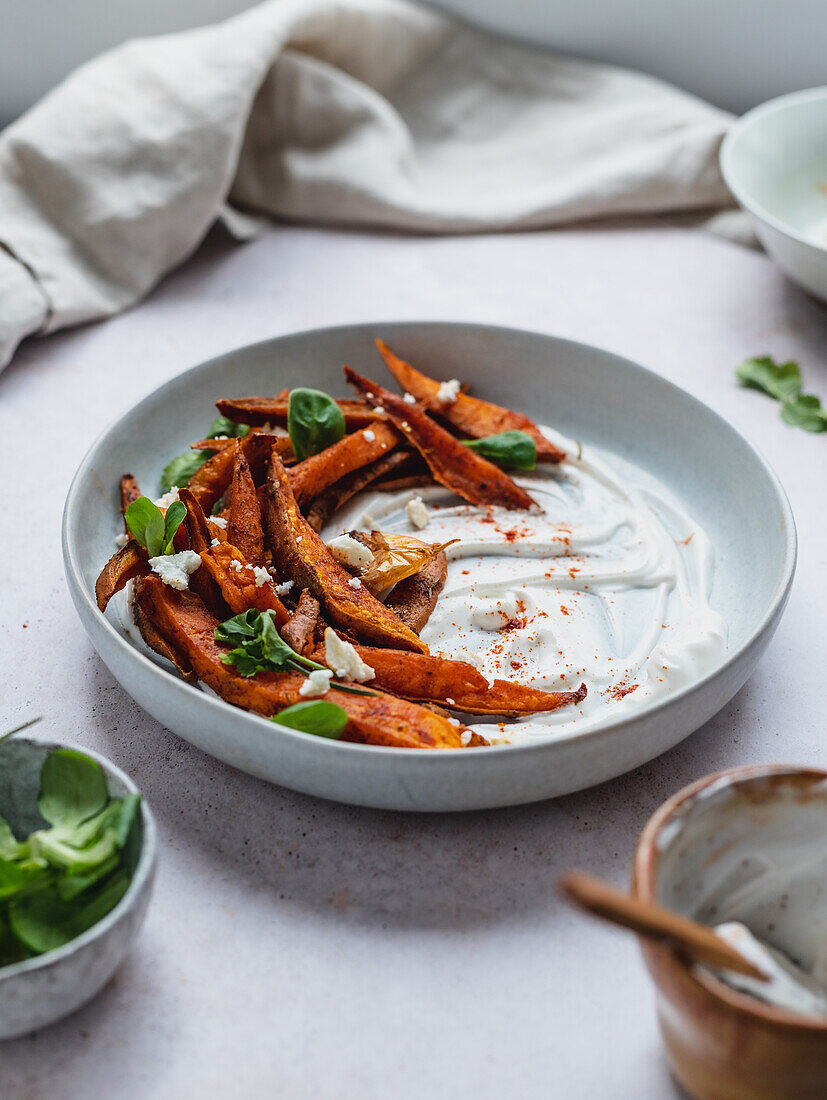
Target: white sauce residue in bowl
x,y
608,585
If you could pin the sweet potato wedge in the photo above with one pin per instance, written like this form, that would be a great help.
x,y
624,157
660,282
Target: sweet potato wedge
x,y
374,719
318,472
130,561
273,410
342,490
238,583
298,631
456,684
214,478
129,492
459,469
300,554
414,599
156,640
472,416
244,525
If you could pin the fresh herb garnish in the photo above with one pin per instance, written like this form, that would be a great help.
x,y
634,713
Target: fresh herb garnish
x,y
316,716
783,382
260,648
512,448
182,468
314,422
63,879
150,527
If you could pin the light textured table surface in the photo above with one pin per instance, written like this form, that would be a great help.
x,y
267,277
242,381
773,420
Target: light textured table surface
x,y
297,948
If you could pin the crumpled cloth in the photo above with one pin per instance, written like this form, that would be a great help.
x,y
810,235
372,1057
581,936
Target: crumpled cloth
x,y
351,112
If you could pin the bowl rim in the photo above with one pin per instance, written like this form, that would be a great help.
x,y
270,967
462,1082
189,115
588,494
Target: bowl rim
x,y
645,872
73,568
140,878
727,159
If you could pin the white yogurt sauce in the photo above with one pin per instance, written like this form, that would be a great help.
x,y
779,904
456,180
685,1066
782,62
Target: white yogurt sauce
x,y
609,584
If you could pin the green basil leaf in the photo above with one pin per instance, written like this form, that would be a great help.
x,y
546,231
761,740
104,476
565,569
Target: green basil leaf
x,y
222,425
10,846
181,469
72,788
314,422
44,920
510,448
315,716
172,521
779,380
71,885
18,878
804,411
62,854
145,521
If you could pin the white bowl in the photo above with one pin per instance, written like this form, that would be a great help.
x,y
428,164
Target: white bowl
x,y
592,395
774,161
44,989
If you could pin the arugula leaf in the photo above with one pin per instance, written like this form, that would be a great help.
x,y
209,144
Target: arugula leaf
x,y
804,411
72,788
181,468
315,716
150,527
779,380
314,422
511,448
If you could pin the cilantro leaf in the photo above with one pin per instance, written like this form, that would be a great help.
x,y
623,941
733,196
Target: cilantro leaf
x,y
314,422
804,411
511,448
779,380
316,716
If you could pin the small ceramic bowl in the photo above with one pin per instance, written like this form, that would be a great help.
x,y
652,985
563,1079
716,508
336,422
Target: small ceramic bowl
x,y
774,161
44,989
750,845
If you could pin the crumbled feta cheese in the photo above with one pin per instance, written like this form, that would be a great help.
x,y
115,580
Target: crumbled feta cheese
x,y
417,513
215,542
465,737
283,589
369,435
220,437
354,582
343,658
274,429
451,702
175,569
219,521
236,565
409,398
299,538
406,426
122,539
167,498
369,396
349,551
455,721
316,684
261,575
448,392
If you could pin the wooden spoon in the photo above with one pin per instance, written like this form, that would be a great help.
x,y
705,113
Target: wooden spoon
x,y
655,923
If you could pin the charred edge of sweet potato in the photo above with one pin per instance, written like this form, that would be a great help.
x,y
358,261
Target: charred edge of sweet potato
x,y
300,554
300,628
244,528
155,639
129,493
209,483
414,599
458,468
273,410
376,718
310,478
130,561
324,506
471,415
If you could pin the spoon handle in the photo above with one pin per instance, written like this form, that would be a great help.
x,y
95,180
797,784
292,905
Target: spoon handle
x,y
655,923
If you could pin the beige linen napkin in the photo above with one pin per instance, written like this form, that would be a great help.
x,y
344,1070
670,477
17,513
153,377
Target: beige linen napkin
x,y
359,112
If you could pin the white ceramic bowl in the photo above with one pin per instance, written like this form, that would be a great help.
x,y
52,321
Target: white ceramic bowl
x,y
774,161
592,395
44,989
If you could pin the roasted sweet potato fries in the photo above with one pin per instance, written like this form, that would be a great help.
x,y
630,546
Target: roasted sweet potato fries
x,y
234,557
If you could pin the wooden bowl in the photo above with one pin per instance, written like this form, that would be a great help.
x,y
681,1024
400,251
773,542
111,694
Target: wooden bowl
x,y
763,827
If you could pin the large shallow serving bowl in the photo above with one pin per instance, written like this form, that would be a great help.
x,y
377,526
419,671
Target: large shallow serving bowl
x,y
44,989
592,395
774,161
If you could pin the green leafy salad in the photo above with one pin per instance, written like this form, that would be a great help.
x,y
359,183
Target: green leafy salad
x,y
66,876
